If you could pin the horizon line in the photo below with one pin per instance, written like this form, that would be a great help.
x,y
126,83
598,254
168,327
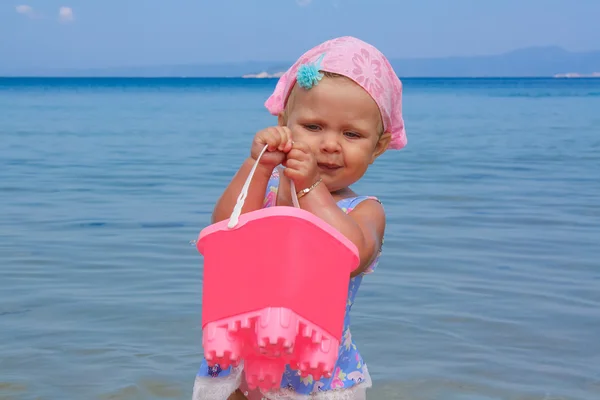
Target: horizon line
x,y
556,76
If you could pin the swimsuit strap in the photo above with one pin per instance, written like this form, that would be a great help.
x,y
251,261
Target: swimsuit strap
x,y
351,203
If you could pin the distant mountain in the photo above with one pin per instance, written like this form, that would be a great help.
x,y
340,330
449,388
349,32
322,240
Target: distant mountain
x,y
526,62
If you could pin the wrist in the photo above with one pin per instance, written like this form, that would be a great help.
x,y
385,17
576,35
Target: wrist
x,y
309,188
318,198
261,169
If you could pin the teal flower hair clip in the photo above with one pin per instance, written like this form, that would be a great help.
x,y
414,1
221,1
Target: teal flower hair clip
x,y
308,74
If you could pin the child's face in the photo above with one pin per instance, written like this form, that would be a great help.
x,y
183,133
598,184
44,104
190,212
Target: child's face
x,y
342,125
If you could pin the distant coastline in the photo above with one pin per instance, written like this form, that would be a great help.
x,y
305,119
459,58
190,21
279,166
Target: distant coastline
x,y
532,62
263,75
578,75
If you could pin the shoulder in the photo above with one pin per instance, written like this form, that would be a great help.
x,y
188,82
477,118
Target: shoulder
x,y
367,211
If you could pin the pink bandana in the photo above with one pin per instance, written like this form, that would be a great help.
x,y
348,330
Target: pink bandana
x,y
358,61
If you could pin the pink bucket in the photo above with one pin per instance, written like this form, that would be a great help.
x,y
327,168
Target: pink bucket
x,y
274,292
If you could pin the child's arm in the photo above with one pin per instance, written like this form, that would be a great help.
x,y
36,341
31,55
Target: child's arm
x,y
278,138
256,191
364,226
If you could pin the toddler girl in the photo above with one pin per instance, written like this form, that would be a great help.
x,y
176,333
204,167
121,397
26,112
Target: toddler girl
x,y
338,109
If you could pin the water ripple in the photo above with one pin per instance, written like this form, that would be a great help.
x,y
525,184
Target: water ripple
x,y
489,284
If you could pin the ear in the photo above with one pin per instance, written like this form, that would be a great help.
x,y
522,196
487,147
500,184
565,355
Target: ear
x,y
381,146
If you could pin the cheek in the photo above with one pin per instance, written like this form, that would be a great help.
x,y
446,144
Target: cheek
x,y
299,134
295,129
359,157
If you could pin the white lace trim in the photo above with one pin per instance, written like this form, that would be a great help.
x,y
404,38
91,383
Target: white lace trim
x,y
209,388
356,392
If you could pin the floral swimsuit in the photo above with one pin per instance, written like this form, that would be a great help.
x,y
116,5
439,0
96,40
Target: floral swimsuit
x,y
350,378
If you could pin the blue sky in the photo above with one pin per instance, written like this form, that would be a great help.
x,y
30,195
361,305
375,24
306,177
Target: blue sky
x,y
98,33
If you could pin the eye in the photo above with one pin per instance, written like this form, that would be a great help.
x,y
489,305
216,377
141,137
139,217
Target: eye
x,y
352,135
311,127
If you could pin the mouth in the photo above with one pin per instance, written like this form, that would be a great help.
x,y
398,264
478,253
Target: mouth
x,y
329,166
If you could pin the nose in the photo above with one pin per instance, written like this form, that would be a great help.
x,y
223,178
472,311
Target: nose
x,y
330,142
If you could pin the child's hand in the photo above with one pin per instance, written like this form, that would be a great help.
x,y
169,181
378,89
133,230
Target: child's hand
x,y
301,166
279,139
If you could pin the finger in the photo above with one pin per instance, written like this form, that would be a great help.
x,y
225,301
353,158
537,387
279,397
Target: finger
x,y
290,135
301,146
294,164
284,138
296,154
292,174
289,144
272,138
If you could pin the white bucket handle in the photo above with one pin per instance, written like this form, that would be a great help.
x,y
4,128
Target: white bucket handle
x,y
237,210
